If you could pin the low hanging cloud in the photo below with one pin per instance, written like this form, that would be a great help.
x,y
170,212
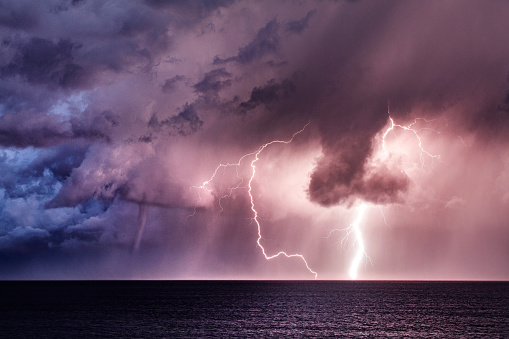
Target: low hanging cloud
x,y
348,179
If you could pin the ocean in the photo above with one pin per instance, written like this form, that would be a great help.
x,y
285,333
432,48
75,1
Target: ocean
x,y
195,309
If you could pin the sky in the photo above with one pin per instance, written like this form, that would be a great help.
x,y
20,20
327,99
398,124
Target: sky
x,y
153,140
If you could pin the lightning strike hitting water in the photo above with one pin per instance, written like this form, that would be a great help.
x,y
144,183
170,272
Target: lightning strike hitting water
x,y
360,242
255,156
355,226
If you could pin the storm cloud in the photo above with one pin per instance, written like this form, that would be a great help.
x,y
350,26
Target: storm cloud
x,y
113,114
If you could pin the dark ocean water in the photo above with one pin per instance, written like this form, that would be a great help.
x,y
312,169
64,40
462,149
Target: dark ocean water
x,y
173,309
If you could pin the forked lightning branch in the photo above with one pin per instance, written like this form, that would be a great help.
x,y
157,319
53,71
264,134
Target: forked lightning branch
x,y
354,228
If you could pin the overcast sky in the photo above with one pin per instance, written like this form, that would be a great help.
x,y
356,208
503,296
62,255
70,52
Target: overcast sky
x,y
113,114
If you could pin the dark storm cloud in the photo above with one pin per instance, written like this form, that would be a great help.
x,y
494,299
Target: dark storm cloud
x,y
184,123
344,172
347,80
185,14
341,180
199,8
109,107
43,61
69,196
73,225
22,181
213,82
59,64
505,105
28,129
129,39
26,227
268,94
94,126
146,138
266,42
42,172
17,15
65,5
501,117
383,185
25,129
59,161
24,241
76,3
171,84
298,26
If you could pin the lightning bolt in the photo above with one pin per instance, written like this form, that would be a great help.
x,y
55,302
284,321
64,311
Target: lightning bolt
x,y
360,242
410,129
383,216
249,187
355,226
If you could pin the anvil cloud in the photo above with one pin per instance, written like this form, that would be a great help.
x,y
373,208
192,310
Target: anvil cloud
x,y
113,113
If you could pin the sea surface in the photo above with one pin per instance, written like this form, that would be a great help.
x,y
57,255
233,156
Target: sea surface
x,y
174,309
